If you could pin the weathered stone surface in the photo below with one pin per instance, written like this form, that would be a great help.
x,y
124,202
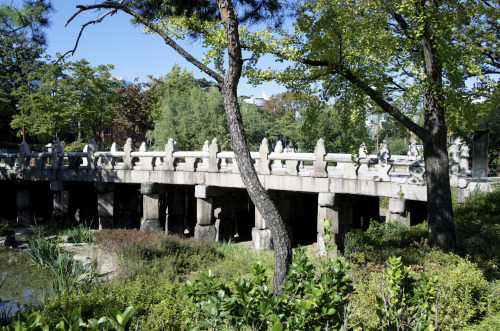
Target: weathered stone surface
x,y
208,232
151,206
327,199
153,224
204,214
397,206
261,239
148,188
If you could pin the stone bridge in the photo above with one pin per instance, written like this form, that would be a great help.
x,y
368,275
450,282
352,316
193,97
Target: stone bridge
x,y
201,193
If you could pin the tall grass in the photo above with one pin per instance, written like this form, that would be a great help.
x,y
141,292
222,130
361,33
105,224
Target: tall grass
x,y
68,273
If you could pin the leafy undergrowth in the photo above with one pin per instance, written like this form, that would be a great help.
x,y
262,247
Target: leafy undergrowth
x,y
393,270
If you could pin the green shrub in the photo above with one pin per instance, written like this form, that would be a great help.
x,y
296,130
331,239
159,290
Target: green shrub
x,y
312,298
72,320
4,228
147,296
462,286
477,222
376,234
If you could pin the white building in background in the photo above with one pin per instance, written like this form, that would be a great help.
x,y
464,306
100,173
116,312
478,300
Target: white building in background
x,y
258,101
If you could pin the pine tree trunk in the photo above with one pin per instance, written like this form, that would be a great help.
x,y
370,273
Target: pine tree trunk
x,y
259,196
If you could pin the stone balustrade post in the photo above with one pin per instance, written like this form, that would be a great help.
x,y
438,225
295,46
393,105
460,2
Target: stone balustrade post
x,y
85,160
105,204
150,207
454,159
91,159
464,160
24,161
128,148
383,166
57,161
108,162
264,162
147,163
205,149
363,154
214,163
170,161
320,163
278,149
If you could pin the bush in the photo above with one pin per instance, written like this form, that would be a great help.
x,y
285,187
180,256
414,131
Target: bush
x,y
376,234
462,286
5,229
148,297
477,222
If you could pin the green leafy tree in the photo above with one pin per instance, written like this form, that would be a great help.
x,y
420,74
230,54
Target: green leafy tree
x,y
66,98
172,19
21,41
136,107
190,118
404,56
93,91
44,107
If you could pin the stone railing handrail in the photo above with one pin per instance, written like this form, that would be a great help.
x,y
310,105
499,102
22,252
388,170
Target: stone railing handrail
x,y
267,162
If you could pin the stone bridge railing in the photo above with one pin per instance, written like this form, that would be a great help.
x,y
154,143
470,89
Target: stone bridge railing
x,y
408,169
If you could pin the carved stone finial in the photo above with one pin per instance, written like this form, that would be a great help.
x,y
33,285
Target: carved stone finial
x,y
213,161
264,162
320,163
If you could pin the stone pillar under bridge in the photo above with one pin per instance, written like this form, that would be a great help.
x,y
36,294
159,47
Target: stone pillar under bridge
x,y
215,218
261,234
339,209
150,207
397,211
60,209
105,204
23,203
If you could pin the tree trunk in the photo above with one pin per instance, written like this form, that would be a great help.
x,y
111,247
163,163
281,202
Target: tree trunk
x,y
259,196
439,206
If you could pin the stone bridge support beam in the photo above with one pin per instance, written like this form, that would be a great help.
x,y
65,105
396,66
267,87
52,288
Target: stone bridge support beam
x,y
339,208
397,211
105,204
23,203
205,222
327,209
60,209
261,234
150,207
214,213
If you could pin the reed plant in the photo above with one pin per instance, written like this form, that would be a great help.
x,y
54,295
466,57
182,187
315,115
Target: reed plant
x,y
68,272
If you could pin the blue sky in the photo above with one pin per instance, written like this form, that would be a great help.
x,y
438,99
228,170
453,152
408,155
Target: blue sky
x,y
134,54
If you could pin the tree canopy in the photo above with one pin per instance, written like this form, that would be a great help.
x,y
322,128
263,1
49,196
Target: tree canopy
x,y
21,40
403,57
